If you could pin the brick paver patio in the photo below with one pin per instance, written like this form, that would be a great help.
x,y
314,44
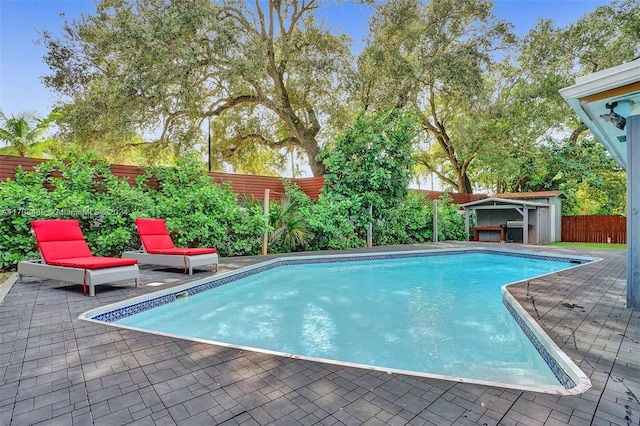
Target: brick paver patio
x,y
56,369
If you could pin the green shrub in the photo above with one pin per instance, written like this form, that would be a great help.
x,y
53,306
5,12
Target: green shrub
x,y
332,225
450,220
408,222
16,213
198,213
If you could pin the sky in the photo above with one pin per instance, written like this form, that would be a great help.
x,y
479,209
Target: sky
x,y
21,21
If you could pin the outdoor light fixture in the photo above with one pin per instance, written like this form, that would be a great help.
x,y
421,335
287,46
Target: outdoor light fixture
x,y
612,118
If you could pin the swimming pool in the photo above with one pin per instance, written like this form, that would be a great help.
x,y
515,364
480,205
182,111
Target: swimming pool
x,y
427,313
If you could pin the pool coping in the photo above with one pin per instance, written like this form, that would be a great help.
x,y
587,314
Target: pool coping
x,y
550,352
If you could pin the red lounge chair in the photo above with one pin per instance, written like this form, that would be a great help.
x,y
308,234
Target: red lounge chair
x,y
158,248
66,257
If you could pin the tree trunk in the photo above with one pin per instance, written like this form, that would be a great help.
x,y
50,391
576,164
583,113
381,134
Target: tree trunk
x,y
464,184
439,132
313,154
577,132
305,136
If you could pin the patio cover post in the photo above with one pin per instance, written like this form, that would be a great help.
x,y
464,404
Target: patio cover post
x,y
435,221
265,237
633,211
466,223
525,225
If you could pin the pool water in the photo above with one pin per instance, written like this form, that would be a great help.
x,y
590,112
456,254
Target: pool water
x,y
435,314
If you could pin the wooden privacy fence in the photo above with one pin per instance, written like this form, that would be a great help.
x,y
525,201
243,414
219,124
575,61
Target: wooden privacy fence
x,y
594,229
248,185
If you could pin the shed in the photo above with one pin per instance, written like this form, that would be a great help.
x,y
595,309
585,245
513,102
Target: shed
x,y
527,217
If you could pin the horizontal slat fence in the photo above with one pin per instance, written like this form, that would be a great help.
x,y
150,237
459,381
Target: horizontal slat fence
x,y
247,185
594,229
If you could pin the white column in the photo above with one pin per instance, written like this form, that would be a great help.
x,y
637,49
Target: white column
x,y
265,237
525,225
466,223
633,212
435,221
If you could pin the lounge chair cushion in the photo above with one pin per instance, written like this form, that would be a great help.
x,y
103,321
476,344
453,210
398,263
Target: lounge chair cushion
x,y
60,239
154,234
61,243
156,242
156,239
184,251
93,262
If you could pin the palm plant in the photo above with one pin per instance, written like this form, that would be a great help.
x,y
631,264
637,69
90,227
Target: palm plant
x,y
291,230
23,134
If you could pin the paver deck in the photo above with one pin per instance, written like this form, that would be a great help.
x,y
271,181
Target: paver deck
x,y
56,369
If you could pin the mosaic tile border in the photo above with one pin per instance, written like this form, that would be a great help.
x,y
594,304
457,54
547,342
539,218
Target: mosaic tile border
x,y
562,376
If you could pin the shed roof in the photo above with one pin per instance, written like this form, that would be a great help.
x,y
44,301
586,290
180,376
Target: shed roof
x,y
501,202
527,195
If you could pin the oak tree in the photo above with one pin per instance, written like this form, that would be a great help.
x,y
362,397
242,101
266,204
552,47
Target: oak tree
x,y
435,57
266,70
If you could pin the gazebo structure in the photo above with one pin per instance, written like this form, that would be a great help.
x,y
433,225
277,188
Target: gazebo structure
x,y
608,103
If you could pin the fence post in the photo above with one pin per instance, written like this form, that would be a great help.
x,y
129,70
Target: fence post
x,y
435,221
265,237
370,228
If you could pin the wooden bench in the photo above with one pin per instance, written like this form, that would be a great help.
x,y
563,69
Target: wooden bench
x,y
478,229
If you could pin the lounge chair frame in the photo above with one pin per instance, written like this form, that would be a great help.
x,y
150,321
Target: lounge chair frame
x,y
65,256
158,248
90,277
173,260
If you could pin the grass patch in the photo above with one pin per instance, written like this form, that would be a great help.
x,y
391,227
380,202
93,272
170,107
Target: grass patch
x,y
592,245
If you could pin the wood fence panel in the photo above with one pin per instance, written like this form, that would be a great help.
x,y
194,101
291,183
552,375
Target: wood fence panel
x,y
9,165
595,229
310,186
248,185
251,186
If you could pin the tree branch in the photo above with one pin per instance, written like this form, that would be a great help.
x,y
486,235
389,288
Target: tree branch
x,y
441,176
313,120
232,102
243,141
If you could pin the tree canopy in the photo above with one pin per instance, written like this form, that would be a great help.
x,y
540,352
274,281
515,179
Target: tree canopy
x,y
268,73
435,57
267,79
545,146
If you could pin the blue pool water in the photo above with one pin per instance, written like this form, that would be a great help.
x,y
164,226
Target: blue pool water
x,y
440,314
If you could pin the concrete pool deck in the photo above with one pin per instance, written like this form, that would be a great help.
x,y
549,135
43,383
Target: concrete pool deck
x,y
59,370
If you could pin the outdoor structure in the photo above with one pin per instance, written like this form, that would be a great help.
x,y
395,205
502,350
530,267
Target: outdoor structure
x,y
608,103
528,217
